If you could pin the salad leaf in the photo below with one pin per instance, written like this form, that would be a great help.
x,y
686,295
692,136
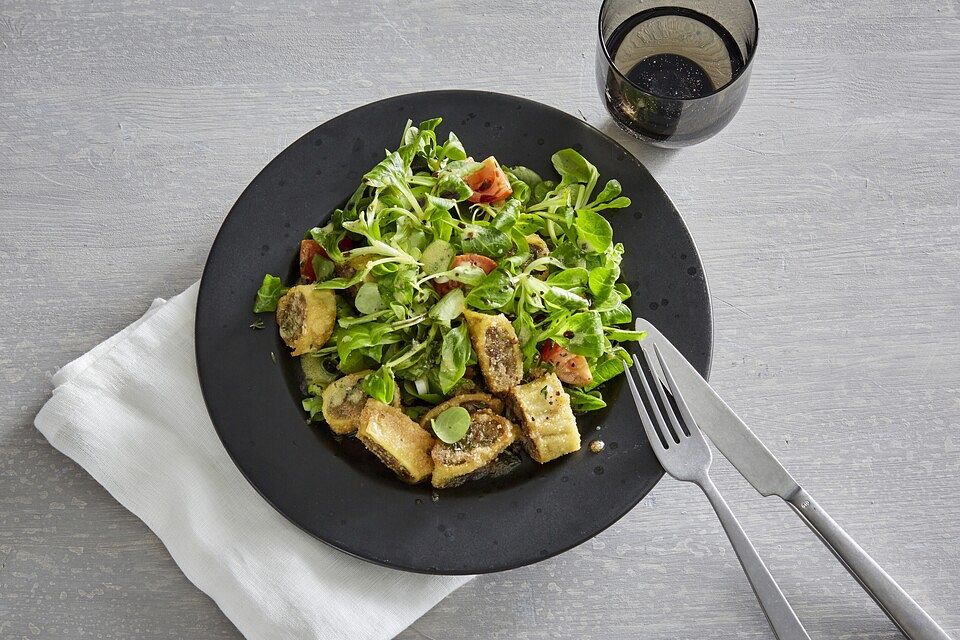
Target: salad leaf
x,y
573,167
594,232
339,283
452,149
616,203
313,405
355,362
452,186
622,335
569,278
370,337
437,214
402,285
540,191
454,353
322,268
410,150
564,299
436,202
522,180
463,168
493,292
467,273
527,176
610,191
584,401
429,125
604,371
330,240
271,290
389,172
520,190
450,307
581,333
601,282
526,333
507,217
409,133
392,172
620,314
487,241
381,385
451,425
529,223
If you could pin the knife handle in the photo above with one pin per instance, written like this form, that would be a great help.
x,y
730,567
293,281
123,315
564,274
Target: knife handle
x,y
913,621
775,606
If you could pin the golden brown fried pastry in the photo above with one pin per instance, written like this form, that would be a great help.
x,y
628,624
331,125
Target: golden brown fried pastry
x,y
549,429
306,316
486,438
397,440
497,348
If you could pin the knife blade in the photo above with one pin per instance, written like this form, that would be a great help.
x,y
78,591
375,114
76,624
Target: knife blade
x,y
726,430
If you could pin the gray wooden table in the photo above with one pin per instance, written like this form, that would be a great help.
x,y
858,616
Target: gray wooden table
x,y
827,215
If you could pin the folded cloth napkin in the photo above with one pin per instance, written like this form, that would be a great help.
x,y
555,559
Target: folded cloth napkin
x,y
130,412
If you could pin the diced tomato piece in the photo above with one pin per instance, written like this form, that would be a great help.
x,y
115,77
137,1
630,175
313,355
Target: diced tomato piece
x,y
311,248
308,249
443,288
490,183
570,368
485,263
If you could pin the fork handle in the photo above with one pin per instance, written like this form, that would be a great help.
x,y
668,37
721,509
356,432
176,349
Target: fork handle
x,y
780,615
913,621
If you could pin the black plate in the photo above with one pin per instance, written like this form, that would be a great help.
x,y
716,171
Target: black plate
x,y
336,490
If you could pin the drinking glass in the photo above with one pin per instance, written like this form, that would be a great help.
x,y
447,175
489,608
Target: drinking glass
x,y
675,72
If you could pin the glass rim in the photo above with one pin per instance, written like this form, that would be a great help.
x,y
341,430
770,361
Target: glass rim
x,y
743,71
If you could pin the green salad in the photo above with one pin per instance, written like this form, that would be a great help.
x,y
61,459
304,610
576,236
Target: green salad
x,y
452,308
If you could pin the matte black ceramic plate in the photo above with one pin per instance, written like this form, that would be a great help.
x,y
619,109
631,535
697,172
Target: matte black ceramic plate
x,y
335,489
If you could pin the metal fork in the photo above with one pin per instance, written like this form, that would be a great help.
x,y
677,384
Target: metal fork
x,y
685,455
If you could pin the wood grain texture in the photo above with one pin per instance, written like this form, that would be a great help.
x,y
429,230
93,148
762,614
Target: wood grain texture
x,y
827,215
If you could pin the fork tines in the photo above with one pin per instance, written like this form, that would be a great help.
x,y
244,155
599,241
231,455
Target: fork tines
x,y
667,400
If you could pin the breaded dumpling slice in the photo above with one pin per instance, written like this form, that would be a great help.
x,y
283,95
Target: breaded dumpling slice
x,y
497,348
306,316
486,438
542,407
343,401
397,440
469,401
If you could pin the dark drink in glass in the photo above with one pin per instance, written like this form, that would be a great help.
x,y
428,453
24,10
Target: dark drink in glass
x,y
675,73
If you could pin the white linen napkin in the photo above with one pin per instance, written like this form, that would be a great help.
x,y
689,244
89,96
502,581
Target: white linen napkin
x,y
130,412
